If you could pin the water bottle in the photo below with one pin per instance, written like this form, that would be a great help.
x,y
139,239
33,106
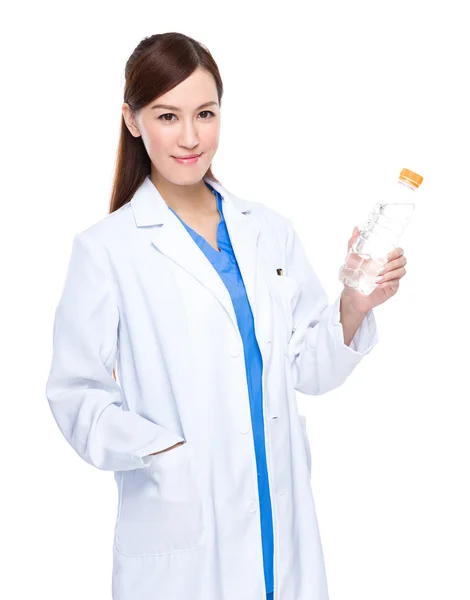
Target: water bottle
x,y
380,234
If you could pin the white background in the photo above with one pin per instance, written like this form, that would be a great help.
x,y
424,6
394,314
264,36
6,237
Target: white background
x,y
324,104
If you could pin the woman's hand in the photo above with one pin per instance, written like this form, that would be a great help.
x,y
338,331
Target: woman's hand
x,y
393,271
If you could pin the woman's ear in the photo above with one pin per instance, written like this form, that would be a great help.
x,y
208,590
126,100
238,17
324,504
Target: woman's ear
x,y
130,120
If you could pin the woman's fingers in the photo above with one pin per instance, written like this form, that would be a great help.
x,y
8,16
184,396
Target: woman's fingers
x,y
392,285
390,275
392,264
355,233
396,253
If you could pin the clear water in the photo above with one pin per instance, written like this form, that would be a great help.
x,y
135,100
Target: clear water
x,y
378,237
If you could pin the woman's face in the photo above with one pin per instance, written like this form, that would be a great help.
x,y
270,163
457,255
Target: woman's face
x,y
186,128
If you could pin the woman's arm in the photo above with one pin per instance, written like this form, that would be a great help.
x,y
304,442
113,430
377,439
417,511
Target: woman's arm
x,y
328,340
349,319
85,399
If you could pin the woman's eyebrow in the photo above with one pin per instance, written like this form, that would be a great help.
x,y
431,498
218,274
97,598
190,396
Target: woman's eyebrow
x,y
169,107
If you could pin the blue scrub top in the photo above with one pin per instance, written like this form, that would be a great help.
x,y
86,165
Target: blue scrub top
x,y
225,263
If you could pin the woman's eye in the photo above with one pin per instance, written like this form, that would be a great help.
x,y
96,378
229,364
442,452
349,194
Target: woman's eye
x,y
162,117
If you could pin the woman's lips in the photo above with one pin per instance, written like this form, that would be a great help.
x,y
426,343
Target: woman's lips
x,y
187,161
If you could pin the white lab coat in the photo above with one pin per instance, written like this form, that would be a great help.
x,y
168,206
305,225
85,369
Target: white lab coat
x,y
139,291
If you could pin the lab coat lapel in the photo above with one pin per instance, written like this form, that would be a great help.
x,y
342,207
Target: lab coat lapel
x,y
173,240
254,264
244,233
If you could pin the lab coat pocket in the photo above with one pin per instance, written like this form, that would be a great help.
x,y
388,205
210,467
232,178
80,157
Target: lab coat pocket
x,y
160,508
308,452
285,292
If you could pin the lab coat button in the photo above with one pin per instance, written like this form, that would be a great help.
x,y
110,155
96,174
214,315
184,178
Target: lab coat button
x,y
245,430
251,507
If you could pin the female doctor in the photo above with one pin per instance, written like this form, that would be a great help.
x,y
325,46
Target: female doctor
x,y
209,308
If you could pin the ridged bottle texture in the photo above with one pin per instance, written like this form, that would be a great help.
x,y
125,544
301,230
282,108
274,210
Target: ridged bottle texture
x,y
380,234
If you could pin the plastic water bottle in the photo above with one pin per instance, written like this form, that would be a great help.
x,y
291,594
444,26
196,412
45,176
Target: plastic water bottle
x,y
380,234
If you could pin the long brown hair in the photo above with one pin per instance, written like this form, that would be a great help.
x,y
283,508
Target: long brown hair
x,y
158,64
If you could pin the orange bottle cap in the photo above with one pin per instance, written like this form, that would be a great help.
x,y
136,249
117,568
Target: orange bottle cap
x,y
411,177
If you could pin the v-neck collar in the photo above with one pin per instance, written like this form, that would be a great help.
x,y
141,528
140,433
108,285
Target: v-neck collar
x,y
218,197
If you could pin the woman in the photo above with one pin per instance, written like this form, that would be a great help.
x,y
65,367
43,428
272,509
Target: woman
x,y
213,315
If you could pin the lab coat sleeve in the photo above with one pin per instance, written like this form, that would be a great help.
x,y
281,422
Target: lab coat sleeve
x,y
84,398
319,358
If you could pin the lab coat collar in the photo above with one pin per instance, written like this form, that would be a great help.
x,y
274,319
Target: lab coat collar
x,y
150,208
173,240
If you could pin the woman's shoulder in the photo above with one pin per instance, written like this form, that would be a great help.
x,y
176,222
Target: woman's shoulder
x,y
245,203
263,213
113,226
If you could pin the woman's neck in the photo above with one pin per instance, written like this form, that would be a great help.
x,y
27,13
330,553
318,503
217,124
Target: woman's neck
x,y
189,200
